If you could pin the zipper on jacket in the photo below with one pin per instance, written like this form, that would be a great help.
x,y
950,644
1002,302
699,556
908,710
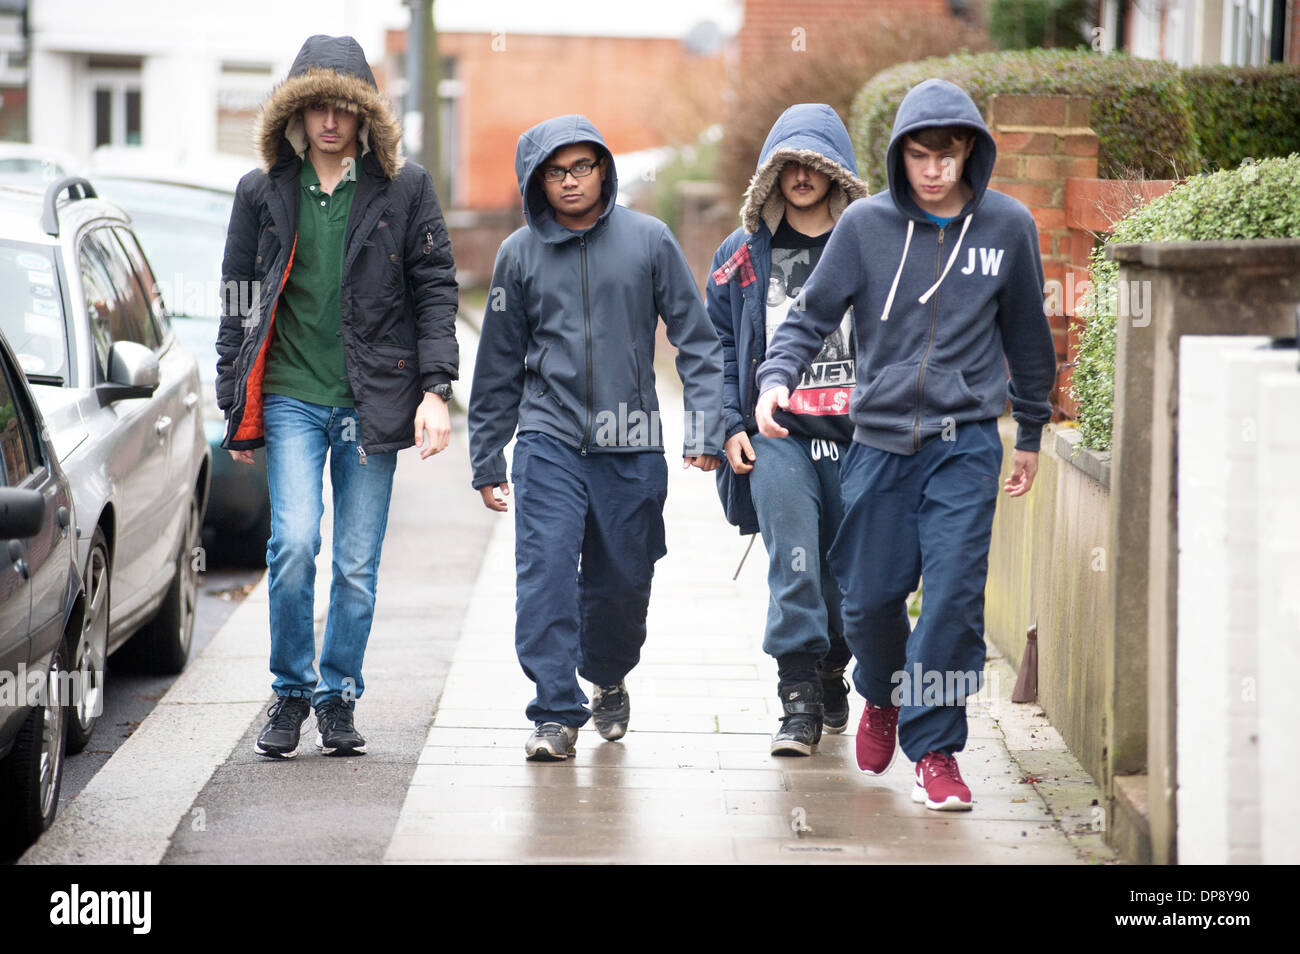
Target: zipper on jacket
x,y
361,451
920,373
586,320
541,363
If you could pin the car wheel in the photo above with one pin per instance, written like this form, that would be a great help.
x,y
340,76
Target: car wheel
x,y
163,645
32,772
90,656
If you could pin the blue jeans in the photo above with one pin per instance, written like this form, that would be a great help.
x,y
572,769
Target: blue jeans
x,y
588,531
298,435
908,516
795,485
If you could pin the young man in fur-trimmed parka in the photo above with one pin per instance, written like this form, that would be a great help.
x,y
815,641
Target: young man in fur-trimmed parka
x,y
790,489
349,350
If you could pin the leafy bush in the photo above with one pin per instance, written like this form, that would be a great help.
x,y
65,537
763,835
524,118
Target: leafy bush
x,y
1020,24
1245,111
1140,107
831,70
1254,201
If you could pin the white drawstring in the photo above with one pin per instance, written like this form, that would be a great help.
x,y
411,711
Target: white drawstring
x,y
889,302
951,258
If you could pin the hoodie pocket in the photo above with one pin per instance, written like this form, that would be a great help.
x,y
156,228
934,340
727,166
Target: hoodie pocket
x,y
541,364
944,391
891,394
636,366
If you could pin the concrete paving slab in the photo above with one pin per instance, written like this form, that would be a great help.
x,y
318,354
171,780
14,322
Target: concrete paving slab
x,y
693,780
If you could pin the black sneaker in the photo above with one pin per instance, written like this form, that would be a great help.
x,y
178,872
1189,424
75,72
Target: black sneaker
x,y
835,699
610,710
335,734
801,726
279,740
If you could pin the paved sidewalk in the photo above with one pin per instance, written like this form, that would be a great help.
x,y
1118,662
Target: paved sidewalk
x,y
692,780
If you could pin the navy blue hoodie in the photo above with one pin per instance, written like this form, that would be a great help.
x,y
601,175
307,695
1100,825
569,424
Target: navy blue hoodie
x,y
940,314
567,344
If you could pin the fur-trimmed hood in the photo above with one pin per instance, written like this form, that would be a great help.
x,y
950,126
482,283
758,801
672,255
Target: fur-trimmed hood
x,y
329,69
812,134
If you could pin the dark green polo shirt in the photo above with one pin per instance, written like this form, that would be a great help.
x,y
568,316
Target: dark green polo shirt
x,y
306,358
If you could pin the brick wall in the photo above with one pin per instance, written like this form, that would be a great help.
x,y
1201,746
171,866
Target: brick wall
x,y
1043,141
1047,159
771,26
640,93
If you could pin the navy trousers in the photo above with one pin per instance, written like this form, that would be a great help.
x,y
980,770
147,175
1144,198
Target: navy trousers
x,y
926,515
588,531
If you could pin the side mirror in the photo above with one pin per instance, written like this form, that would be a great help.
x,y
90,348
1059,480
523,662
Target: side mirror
x,y
132,373
21,513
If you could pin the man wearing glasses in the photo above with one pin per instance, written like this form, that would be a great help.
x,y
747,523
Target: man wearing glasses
x,y
567,357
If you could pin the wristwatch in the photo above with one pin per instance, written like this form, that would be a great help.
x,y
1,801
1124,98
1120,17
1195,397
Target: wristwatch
x,y
442,390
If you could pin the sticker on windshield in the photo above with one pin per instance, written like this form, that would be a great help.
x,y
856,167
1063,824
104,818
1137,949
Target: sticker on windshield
x,y
40,278
45,307
41,291
30,260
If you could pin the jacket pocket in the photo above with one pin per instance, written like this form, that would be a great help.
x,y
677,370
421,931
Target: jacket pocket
x,y
890,394
944,391
636,367
389,393
541,364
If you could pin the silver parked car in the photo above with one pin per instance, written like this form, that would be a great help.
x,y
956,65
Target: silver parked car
x,y
120,397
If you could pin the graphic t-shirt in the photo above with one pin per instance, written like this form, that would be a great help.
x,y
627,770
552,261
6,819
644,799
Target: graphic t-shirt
x,y
819,404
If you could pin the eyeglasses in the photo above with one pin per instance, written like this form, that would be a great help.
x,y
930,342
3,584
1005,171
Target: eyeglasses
x,y
580,169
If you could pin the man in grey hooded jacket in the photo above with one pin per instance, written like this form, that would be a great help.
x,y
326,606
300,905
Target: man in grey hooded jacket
x,y
804,181
566,356
946,285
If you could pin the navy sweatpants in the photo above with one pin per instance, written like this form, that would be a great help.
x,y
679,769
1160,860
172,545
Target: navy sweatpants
x,y
927,515
588,531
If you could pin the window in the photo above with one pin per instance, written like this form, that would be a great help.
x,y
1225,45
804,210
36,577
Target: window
x,y
144,274
138,324
15,436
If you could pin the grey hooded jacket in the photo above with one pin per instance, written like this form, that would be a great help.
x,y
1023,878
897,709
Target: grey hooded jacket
x,y
940,314
567,343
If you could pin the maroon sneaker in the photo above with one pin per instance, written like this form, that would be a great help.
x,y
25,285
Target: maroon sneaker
x,y
877,739
939,784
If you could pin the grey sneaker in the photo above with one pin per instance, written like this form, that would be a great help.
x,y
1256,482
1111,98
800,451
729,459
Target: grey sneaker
x,y
551,742
610,710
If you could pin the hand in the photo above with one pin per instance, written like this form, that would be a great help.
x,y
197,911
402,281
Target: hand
x,y
705,462
740,453
432,417
242,456
768,402
1024,467
490,498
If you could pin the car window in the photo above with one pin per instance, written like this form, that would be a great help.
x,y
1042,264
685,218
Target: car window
x,y
136,310
15,437
31,309
103,310
153,294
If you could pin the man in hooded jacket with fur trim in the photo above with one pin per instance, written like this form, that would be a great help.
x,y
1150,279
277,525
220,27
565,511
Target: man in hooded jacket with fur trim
x,y
349,350
790,489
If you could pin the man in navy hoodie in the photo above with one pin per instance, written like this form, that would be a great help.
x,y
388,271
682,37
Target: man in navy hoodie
x,y
567,355
946,285
804,180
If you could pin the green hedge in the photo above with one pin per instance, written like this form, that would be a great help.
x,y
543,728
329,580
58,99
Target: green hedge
x,y
1254,201
1022,24
1244,111
1140,107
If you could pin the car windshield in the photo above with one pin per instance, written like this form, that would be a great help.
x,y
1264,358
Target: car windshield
x,y
31,309
183,232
